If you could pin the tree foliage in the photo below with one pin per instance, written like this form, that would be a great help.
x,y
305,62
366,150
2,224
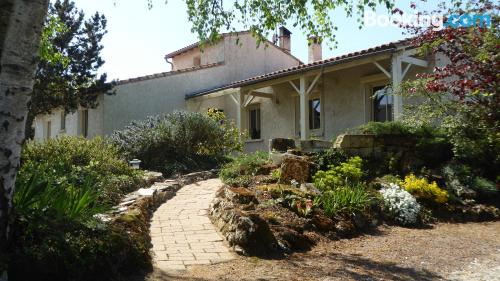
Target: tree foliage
x,y
262,17
67,74
462,96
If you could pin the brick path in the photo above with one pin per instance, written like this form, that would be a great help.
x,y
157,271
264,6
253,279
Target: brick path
x,y
182,233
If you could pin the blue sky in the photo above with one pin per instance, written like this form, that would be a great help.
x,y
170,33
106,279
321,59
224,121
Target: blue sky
x,y
138,38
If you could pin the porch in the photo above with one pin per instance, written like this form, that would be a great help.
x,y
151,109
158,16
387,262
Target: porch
x,y
319,101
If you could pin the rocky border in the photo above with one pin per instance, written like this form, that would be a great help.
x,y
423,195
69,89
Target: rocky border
x,y
159,191
245,231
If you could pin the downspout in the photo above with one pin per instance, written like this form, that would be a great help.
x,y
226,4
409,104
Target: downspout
x,y
171,64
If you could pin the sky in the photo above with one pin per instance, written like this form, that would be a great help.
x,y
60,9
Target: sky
x,y
138,38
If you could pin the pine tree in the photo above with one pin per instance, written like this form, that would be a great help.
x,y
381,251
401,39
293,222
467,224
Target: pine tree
x,y
68,78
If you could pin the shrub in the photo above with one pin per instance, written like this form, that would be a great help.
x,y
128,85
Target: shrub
x,y
424,190
344,200
239,171
179,142
65,203
385,128
483,185
69,162
45,248
326,158
458,180
431,145
400,204
341,175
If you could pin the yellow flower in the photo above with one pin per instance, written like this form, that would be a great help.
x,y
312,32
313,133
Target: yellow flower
x,y
422,189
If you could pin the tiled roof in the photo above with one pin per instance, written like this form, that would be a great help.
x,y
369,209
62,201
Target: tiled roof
x,y
168,73
197,44
306,67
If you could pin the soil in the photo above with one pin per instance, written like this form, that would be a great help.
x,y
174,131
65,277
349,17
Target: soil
x,y
469,251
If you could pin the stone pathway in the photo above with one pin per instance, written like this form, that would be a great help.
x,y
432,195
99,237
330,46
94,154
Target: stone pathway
x,y
182,233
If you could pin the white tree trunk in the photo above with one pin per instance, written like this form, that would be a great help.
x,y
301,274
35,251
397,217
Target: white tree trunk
x,y
21,23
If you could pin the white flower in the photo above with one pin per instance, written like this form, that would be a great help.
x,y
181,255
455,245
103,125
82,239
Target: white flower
x,y
401,204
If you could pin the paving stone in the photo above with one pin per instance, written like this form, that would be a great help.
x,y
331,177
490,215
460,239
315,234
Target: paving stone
x,y
181,231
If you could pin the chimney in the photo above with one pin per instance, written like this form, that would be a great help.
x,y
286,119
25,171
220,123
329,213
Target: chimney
x,y
285,41
315,49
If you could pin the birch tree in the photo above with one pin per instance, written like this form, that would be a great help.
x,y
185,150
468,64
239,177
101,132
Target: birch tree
x,y
20,30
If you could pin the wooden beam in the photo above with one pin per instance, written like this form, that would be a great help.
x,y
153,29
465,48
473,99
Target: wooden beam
x,y
261,95
414,61
247,103
294,87
406,70
235,98
313,83
382,69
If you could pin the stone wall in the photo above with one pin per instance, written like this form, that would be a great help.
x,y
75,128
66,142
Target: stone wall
x,y
374,145
244,230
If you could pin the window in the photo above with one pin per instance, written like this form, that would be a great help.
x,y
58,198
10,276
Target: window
x,y
63,120
48,130
314,114
383,104
85,123
196,61
254,123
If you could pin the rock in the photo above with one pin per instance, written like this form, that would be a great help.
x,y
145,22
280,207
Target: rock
x,y
345,227
277,157
322,222
127,202
247,232
281,144
240,195
292,240
309,188
295,168
151,177
146,192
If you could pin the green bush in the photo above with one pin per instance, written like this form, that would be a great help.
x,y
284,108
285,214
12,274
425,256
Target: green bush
x,y
57,236
69,162
346,173
483,185
45,248
345,200
385,128
239,171
431,146
64,202
179,142
326,158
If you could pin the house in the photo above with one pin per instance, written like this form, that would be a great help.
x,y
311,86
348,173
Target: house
x,y
192,70
267,91
321,99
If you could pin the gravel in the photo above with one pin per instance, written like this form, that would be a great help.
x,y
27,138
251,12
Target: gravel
x,y
443,252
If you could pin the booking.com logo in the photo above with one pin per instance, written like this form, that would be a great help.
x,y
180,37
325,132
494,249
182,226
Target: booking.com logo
x,y
435,21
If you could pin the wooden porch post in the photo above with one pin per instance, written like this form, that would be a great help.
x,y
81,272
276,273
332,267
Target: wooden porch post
x,y
238,98
304,109
396,82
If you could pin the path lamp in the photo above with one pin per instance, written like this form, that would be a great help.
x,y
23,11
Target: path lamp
x,y
135,163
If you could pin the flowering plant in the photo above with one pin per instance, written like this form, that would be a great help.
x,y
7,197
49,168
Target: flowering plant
x,y
401,204
422,189
303,209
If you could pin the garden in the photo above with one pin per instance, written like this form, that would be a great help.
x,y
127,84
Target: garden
x,y
289,201
67,223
